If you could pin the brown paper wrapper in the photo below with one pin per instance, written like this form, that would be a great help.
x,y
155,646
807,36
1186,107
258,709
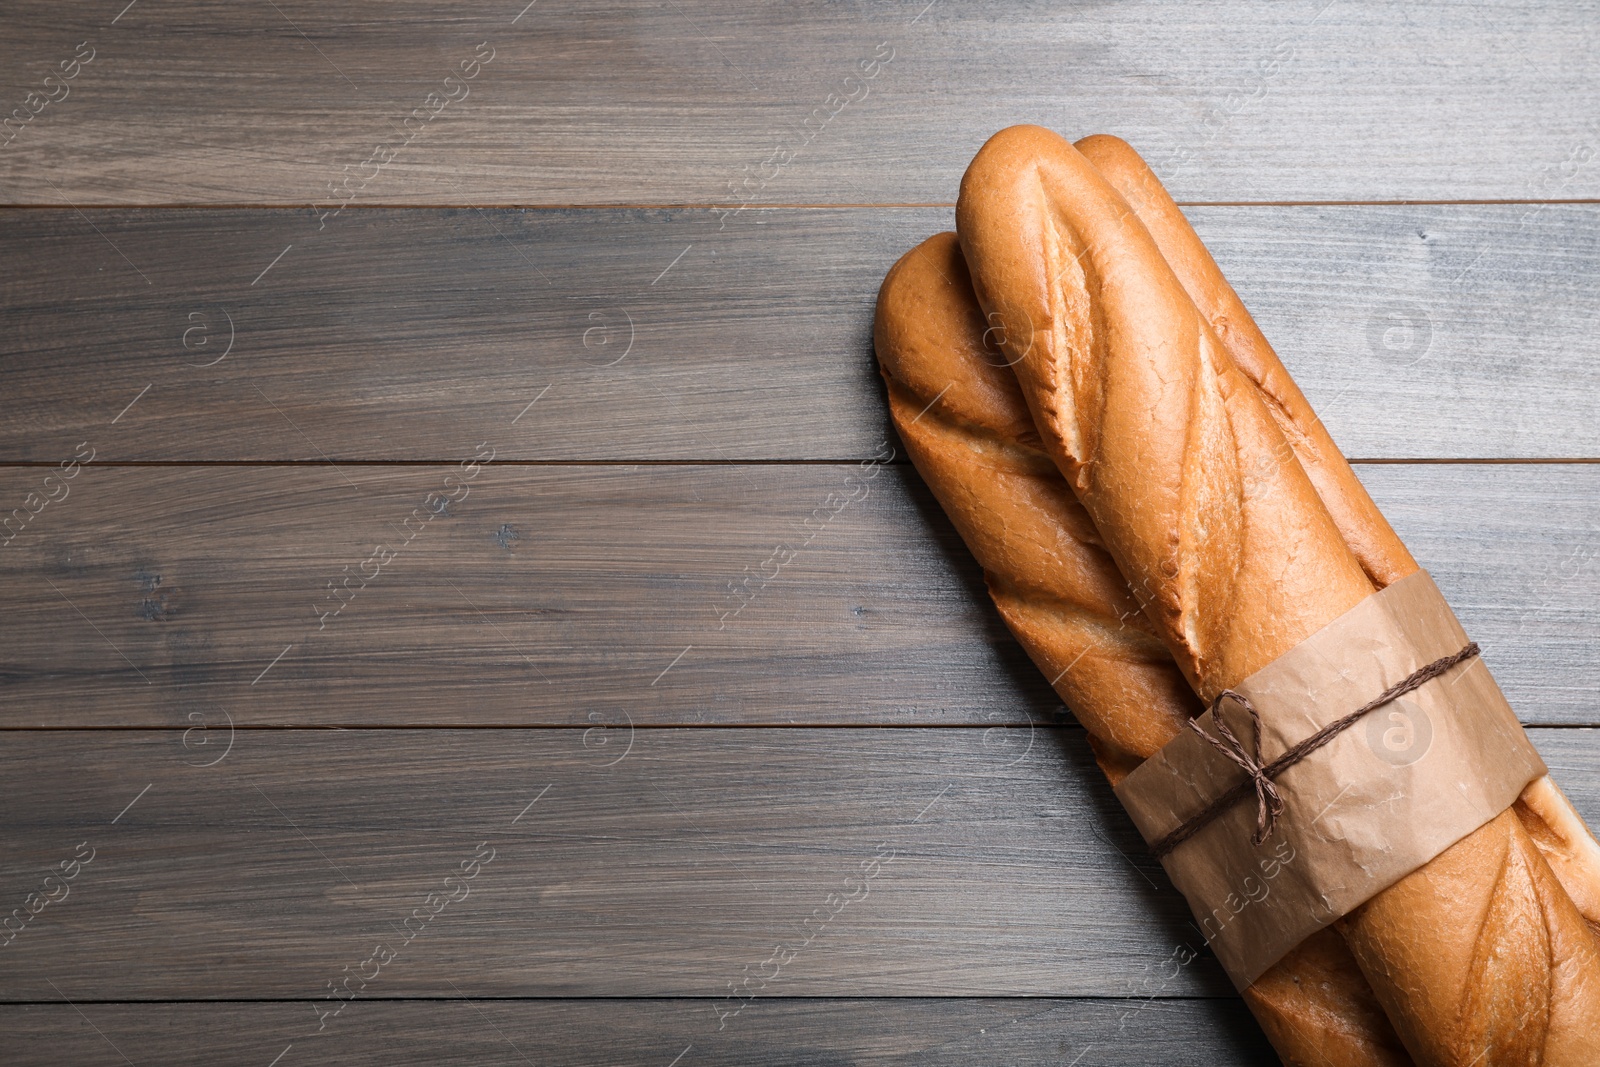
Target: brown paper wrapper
x,y
1381,799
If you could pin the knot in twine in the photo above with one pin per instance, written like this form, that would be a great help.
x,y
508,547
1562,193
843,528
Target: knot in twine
x,y
1261,776
1269,802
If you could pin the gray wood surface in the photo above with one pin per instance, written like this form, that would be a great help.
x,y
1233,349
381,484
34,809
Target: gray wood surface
x,y
642,1033
1424,331
666,869
607,593
275,275
1001,863
206,102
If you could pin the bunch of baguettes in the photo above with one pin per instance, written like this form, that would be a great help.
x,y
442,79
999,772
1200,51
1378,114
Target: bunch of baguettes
x,y
1159,513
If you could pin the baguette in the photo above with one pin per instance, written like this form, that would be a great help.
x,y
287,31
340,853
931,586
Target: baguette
x,y
1546,813
1480,956
966,428
1367,533
964,424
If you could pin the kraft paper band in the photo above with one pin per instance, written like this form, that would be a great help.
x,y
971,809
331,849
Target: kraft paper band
x,y
1381,799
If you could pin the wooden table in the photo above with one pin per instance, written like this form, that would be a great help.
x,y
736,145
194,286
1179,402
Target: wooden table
x,y
405,406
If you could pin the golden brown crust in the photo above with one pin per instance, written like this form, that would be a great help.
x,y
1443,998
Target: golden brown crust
x,y
1169,447
1546,813
1511,973
1318,1010
965,426
1568,847
962,418
1196,494
1368,534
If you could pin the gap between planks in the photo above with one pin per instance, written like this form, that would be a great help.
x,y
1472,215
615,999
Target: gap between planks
x,y
898,461
1016,724
692,206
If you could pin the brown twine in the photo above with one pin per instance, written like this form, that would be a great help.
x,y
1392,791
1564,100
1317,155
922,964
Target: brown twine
x,y
1269,801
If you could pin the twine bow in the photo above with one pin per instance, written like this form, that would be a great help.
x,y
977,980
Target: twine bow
x,y
1269,802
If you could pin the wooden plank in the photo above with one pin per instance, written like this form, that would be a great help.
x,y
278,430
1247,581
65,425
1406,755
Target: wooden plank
x,y
589,1033
197,101
609,594
1418,331
992,861
1513,547
543,595
977,860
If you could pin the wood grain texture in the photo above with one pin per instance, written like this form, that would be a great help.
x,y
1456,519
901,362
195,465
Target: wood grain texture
x,y
201,101
608,1033
817,594
543,595
1419,331
941,860
163,621
664,869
